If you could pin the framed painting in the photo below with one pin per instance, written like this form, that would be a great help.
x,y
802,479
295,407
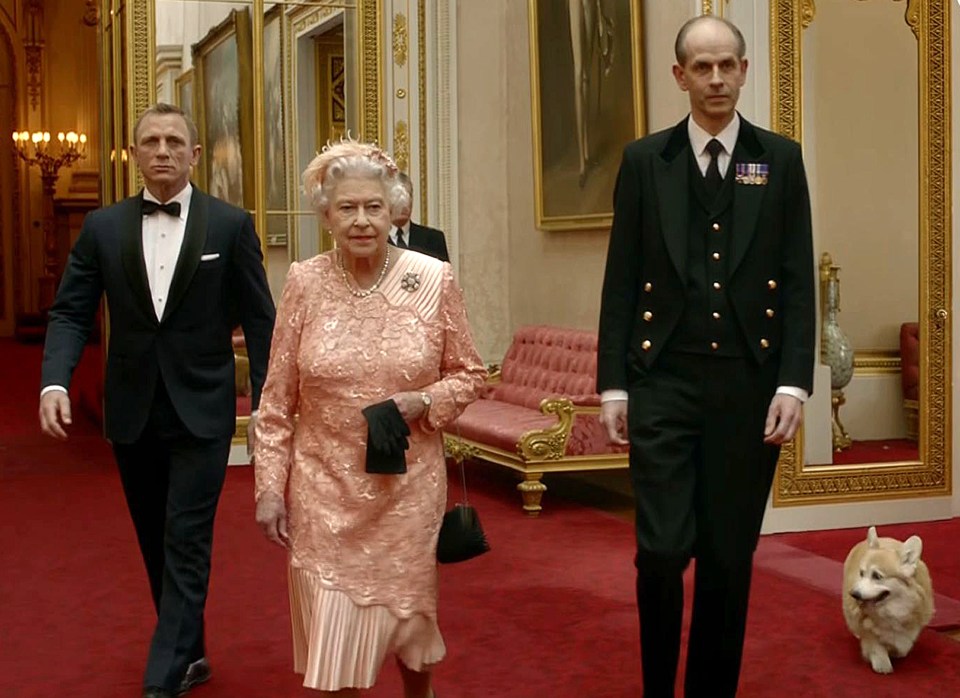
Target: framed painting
x,y
222,63
275,108
185,93
586,71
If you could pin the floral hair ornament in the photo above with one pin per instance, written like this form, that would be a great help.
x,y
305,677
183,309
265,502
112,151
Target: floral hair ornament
x,y
346,147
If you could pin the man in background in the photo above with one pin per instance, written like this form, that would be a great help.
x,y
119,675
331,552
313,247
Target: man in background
x,y
412,236
180,269
706,353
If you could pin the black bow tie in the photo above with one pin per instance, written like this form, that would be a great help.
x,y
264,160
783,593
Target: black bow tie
x,y
171,207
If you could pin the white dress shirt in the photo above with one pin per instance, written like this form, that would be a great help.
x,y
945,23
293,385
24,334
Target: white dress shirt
x,y
162,238
727,137
404,231
699,138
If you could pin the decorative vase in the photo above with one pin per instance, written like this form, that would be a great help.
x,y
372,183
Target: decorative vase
x,y
835,348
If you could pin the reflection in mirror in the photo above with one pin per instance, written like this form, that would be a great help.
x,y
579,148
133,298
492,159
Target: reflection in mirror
x,y
204,62
204,53
324,101
864,175
318,64
278,178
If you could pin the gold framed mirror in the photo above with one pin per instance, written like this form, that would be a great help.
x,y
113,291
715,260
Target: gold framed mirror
x,y
248,73
799,482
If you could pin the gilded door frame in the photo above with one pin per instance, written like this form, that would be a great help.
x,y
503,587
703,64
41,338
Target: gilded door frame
x,y
800,484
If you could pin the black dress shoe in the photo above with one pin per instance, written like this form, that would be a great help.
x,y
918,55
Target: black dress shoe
x,y
197,673
156,693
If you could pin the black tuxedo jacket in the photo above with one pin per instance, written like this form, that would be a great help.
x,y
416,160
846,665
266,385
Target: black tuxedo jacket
x,y
770,267
190,348
428,241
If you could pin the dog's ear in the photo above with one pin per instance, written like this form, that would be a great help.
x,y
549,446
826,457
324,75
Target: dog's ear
x,y
910,554
872,540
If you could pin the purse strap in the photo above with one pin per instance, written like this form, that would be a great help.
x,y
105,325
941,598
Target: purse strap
x,y
460,459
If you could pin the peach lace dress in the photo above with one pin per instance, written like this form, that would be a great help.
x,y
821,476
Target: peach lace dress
x,y
362,565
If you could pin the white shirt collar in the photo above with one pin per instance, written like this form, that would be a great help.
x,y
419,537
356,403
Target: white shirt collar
x,y
395,233
183,196
700,137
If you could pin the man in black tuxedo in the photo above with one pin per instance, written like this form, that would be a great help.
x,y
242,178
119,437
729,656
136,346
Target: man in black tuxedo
x,y
706,352
180,270
407,234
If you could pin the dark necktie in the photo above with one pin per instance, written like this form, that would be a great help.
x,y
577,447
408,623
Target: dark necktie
x,y
712,179
171,207
400,242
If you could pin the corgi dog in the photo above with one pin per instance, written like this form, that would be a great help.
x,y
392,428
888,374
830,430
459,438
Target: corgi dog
x,y
887,597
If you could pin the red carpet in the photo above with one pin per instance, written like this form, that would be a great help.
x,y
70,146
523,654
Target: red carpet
x,y
941,547
877,451
548,613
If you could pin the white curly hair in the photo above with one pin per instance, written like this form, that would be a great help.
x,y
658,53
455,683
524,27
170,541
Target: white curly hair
x,y
352,158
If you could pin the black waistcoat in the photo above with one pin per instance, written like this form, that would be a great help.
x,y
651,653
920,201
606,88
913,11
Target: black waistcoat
x,y
707,325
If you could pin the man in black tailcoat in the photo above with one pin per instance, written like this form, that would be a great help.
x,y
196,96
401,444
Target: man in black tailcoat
x,y
180,269
405,233
706,353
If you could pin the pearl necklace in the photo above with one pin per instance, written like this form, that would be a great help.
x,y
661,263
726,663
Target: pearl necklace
x,y
364,292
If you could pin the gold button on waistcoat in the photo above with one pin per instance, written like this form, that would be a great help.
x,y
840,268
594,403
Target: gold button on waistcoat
x,y
716,226
647,315
716,256
770,312
765,344
714,346
772,284
716,316
646,345
648,287
716,285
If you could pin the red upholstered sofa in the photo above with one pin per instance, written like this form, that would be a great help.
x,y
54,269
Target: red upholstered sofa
x,y
540,412
910,376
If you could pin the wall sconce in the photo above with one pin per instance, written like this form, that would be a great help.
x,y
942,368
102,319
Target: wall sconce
x,y
73,146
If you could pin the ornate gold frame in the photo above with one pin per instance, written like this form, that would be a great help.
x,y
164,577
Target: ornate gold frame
x,y
589,221
796,483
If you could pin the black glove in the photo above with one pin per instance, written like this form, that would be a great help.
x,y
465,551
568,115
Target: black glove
x,y
387,433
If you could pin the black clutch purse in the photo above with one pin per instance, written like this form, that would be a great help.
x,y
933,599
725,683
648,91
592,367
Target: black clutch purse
x,y
461,535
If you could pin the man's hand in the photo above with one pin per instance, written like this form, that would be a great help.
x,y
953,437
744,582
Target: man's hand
x,y
613,417
55,414
783,419
272,518
251,436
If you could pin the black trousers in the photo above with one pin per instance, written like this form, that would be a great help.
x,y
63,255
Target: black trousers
x,y
172,482
701,475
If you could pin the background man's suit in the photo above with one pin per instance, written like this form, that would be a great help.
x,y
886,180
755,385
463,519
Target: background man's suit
x,y
169,389
427,240
707,307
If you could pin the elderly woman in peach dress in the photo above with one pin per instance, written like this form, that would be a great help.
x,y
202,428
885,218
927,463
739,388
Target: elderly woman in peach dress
x,y
360,325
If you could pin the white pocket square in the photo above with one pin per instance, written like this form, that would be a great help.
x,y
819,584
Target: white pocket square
x,y
209,257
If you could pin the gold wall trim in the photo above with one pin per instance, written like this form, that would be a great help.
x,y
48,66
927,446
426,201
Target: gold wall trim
x,y
799,484
371,70
874,363
401,145
422,106
808,10
401,39
786,69
141,74
912,16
